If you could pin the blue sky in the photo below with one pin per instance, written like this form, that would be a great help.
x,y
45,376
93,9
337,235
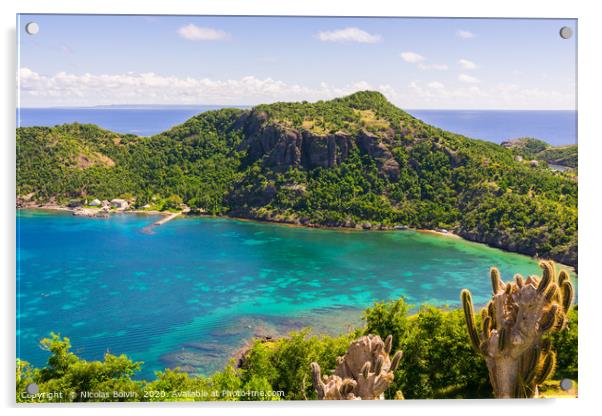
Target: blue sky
x,y
79,60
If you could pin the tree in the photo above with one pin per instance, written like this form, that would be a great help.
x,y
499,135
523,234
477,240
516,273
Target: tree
x,y
171,202
69,378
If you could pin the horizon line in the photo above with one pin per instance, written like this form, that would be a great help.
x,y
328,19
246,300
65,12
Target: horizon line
x,y
132,106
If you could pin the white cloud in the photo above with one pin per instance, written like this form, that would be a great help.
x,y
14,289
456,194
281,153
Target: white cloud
x,y
68,89
419,60
194,32
466,64
436,95
468,79
412,57
349,34
465,34
435,85
65,89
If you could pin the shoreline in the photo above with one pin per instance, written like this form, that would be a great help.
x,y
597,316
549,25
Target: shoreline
x,y
169,215
99,210
446,234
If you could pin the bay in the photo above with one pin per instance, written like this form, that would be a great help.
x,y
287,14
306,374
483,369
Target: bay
x,y
191,292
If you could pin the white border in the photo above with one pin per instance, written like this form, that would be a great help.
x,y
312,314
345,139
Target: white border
x,y
590,137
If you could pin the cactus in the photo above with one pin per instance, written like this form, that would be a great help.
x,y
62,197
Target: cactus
x,y
515,324
363,373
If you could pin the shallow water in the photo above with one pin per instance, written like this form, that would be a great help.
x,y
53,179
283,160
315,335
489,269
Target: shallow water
x,y
192,291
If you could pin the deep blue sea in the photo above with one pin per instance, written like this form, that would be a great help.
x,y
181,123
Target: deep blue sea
x,y
555,127
192,291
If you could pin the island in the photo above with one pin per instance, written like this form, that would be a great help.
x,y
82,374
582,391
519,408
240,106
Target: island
x,y
356,162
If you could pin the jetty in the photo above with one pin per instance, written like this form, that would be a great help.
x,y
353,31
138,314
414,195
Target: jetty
x,y
167,218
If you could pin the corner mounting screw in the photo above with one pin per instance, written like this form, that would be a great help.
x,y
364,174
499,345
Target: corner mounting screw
x,y
566,32
32,28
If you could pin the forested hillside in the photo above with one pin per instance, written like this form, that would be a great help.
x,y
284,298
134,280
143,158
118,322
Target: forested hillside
x,y
356,161
530,148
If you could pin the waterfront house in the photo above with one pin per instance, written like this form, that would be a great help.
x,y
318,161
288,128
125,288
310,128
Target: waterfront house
x,y
119,203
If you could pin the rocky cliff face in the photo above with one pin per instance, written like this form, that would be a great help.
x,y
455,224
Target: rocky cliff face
x,y
282,147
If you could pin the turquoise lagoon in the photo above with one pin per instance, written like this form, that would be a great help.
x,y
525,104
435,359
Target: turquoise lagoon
x,y
189,293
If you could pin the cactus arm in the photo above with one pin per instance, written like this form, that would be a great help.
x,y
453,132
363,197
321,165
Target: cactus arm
x,y
563,276
487,326
491,313
499,306
551,292
518,279
533,361
547,369
396,360
548,319
388,343
547,276
567,291
502,338
496,279
317,380
379,364
469,317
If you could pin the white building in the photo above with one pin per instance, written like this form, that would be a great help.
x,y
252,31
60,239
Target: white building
x,y
119,203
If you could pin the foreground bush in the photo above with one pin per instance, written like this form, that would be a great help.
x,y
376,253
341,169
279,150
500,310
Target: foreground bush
x,y
438,359
438,363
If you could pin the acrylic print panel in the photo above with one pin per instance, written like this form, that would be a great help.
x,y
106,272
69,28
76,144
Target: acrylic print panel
x,y
276,208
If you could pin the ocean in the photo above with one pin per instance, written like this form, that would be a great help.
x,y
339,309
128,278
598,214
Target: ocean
x,y
190,293
554,127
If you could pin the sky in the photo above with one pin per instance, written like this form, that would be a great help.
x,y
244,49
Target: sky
x,y
417,63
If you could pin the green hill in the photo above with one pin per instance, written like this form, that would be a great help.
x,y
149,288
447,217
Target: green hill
x,y
535,149
345,162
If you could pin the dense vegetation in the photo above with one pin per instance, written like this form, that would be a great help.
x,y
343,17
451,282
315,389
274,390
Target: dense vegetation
x,y
534,149
438,363
354,161
196,162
